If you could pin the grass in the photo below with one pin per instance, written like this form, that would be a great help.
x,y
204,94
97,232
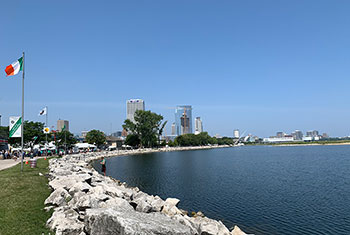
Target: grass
x,y
22,197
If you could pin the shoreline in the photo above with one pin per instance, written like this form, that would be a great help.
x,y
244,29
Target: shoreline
x,y
313,144
84,201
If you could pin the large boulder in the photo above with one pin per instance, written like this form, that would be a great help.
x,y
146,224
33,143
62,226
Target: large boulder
x,y
59,197
206,226
65,222
109,221
237,231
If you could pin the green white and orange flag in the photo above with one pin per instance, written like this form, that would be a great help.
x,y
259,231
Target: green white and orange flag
x,y
15,67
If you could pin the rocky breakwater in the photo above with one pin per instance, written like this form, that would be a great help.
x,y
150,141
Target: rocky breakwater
x,y
86,202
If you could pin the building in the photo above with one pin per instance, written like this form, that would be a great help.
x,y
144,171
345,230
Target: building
x,y
286,138
131,106
280,134
325,135
117,134
83,134
297,135
183,119
62,125
236,133
198,124
173,129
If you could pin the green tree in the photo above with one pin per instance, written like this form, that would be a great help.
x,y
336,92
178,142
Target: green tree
x,y
65,139
147,126
4,132
96,137
33,132
133,140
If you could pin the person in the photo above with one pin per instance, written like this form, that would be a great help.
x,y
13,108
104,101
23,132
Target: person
x,y
103,163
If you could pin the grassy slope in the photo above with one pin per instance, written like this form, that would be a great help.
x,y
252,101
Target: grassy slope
x,y
22,197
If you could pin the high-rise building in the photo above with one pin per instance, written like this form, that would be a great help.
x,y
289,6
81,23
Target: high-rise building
x,y
131,106
62,124
198,124
183,119
280,134
173,129
297,135
236,133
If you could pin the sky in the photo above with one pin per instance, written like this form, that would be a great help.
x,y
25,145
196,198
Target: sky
x,y
258,66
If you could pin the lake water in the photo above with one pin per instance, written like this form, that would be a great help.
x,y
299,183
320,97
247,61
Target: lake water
x,y
262,189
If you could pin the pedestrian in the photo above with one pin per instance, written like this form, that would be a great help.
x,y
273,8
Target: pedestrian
x,y
103,163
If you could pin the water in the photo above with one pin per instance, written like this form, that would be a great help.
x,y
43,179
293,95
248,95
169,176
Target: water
x,y
262,189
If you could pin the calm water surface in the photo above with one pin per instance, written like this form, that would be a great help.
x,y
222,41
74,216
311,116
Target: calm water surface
x,y
263,189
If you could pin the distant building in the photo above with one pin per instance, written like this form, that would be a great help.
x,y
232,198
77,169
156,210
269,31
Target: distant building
x,y
62,124
325,135
198,125
280,134
183,119
313,134
131,106
297,135
286,138
173,129
83,134
236,133
117,134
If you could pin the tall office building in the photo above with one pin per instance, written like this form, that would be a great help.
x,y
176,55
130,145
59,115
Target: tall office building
x,y
62,124
173,129
183,119
198,125
298,135
131,107
236,133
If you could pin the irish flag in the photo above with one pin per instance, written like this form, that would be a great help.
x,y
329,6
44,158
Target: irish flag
x,y
15,67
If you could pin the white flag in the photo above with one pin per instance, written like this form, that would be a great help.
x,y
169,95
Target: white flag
x,y
43,112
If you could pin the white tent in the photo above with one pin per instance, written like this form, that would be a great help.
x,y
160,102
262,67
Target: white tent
x,y
85,146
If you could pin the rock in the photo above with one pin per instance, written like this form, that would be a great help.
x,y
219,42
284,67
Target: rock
x,y
157,204
59,197
65,221
118,204
206,226
131,222
237,231
143,206
172,201
80,187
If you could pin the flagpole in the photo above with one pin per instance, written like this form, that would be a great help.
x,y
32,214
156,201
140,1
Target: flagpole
x,y
47,113
22,129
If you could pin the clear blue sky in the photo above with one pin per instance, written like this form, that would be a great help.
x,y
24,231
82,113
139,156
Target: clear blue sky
x,y
260,66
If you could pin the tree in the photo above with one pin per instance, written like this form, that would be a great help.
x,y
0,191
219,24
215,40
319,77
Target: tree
x,y
33,132
133,140
96,137
147,126
65,139
4,132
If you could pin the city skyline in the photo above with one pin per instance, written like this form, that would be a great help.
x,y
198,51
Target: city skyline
x,y
238,64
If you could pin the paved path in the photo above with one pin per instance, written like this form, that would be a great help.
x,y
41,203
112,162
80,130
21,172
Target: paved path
x,y
8,163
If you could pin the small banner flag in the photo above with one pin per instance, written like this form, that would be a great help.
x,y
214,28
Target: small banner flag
x,y
15,127
43,111
47,130
63,128
15,67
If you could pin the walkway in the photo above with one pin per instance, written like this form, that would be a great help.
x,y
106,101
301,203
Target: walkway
x,y
7,163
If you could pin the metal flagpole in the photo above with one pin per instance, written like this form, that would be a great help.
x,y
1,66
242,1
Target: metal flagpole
x,y
22,129
47,113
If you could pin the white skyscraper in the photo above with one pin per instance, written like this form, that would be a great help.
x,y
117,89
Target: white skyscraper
x,y
173,129
131,107
236,133
198,126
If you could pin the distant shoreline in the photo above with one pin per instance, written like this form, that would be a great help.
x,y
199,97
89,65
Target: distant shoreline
x,y
311,144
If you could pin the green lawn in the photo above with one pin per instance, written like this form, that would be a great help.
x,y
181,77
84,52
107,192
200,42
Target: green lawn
x,y
22,197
